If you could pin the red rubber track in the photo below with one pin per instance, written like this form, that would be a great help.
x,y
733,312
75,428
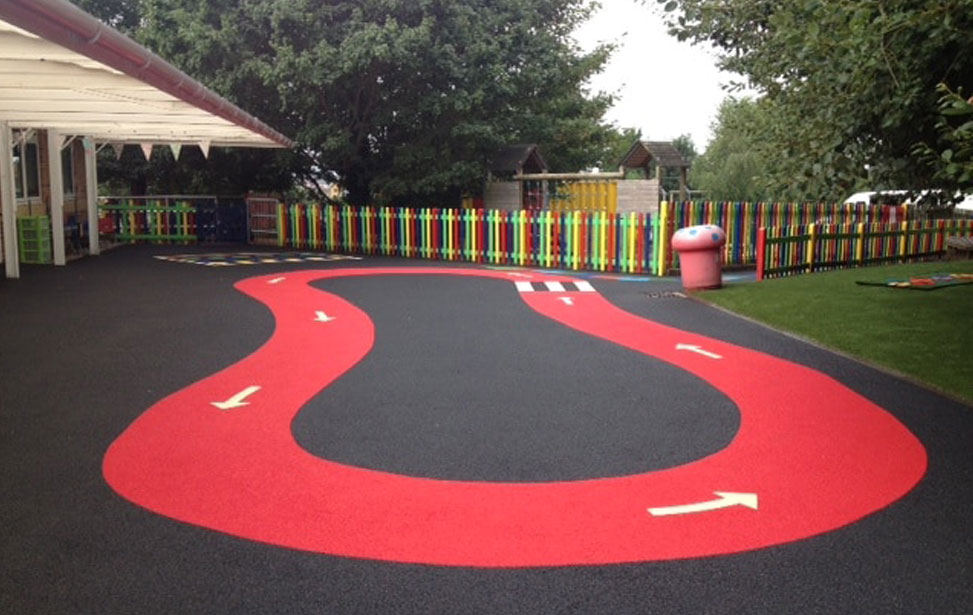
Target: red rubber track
x,y
818,455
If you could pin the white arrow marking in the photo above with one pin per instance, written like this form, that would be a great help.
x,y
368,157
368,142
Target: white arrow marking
x,y
320,316
725,500
567,300
237,400
276,281
698,350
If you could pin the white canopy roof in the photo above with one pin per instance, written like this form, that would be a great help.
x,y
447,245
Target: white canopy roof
x,y
61,69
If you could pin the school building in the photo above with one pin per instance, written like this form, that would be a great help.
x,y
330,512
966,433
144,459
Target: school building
x,y
69,86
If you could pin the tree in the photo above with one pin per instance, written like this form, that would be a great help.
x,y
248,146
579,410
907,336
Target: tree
x,y
684,144
123,15
398,100
848,85
731,167
620,142
951,157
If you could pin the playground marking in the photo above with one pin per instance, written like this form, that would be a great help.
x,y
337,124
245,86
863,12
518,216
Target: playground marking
x,y
820,455
724,499
236,401
320,316
276,280
555,286
567,300
229,259
698,350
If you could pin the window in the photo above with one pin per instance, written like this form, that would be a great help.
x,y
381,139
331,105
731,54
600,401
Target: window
x,y
27,169
67,168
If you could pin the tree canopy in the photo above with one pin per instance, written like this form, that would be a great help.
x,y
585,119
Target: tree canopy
x,y
847,87
731,167
396,100
952,162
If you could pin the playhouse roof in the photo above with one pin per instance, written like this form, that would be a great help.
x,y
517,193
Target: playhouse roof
x,y
518,159
662,152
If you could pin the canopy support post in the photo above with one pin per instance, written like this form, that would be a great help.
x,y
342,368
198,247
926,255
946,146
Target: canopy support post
x,y
8,202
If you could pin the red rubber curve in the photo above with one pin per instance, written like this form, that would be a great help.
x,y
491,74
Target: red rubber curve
x,y
818,455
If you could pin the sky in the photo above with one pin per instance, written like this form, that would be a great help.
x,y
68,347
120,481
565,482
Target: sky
x,y
663,86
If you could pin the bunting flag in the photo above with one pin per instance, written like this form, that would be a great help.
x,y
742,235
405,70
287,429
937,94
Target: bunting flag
x,y
176,149
119,148
147,150
204,146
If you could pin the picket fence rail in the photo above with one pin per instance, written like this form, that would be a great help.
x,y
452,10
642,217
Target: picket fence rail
x,y
792,250
779,238
152,219
742,221
597,241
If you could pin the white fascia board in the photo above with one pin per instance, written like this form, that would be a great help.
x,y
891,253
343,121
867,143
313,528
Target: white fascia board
x,y
46,86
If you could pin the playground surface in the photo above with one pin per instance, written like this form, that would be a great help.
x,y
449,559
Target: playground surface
x,y
473,440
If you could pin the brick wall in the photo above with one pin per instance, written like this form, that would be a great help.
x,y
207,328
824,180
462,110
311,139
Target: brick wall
x,y
74,205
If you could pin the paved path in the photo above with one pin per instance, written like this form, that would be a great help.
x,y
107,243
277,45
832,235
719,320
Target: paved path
x,y
88,349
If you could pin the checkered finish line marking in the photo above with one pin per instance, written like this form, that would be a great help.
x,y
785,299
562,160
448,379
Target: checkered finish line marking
x,y
555,286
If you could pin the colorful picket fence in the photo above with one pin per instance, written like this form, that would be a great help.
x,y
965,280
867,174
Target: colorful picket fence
x,y
742,221
150,220
796,249
598,241
592,240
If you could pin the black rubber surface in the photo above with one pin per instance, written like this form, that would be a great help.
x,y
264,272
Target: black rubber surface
x,y
85,349
467,382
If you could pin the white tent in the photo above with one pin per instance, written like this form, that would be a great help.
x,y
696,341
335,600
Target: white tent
x,y
65,72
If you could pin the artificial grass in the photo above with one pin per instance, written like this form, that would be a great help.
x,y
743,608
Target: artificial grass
x,y
925,335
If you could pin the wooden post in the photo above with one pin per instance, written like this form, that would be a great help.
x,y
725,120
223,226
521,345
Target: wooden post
x,y
662,240
903,229
683,194
761,252
668,228
812,244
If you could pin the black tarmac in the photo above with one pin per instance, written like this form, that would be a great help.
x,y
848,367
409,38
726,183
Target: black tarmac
x,y
464,382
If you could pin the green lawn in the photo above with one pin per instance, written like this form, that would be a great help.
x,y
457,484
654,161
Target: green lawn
x,y
927,335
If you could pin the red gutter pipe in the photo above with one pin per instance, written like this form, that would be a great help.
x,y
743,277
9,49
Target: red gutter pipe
x,y
64,24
